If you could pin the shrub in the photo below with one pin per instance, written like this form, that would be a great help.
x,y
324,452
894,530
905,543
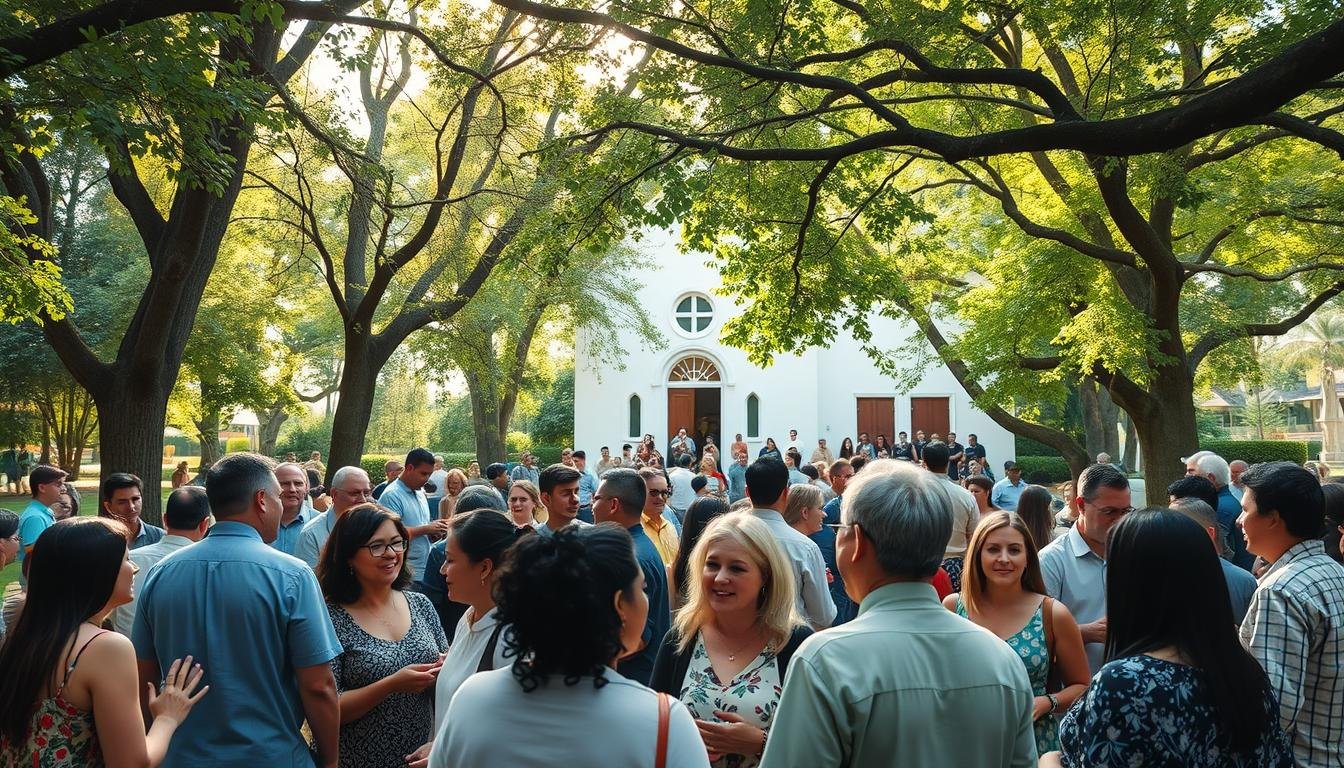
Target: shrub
x,y
1053,466
1257,451
237,445
517,442
373,462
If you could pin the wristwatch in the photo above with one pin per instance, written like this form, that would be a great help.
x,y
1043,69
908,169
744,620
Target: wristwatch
x,y
1054,703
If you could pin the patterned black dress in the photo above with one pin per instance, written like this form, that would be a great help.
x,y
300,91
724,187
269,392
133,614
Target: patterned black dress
x,y
402,722
1143,712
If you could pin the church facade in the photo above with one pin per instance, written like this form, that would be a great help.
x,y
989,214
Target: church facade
x,y
698,383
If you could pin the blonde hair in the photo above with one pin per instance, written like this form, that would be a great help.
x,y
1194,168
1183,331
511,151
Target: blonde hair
x,y
708,464
775,607
454,472
801,496
539,512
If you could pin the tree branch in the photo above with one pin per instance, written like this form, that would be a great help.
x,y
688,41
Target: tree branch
x,y
1214,339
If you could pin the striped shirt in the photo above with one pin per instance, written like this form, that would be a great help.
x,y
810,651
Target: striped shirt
x,y
1295,629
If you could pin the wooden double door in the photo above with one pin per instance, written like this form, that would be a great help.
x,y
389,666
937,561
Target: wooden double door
x,y
698,410
877,416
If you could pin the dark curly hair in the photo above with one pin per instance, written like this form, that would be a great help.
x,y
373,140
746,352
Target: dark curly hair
x,y
352,531
555,591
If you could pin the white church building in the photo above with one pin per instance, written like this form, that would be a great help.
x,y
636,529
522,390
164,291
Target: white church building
x,y
697,382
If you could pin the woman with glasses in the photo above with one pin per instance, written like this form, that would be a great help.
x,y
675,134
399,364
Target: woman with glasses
x,y
392,639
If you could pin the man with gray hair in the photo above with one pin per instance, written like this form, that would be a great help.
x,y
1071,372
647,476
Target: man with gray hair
x,y
1240,584
907,676
350,486
256,620
1210,465
1237,467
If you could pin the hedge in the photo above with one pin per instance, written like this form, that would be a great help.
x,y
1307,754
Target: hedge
x,y
1257,451
1053,466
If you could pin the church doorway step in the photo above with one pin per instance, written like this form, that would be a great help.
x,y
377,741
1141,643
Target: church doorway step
x,y
698,410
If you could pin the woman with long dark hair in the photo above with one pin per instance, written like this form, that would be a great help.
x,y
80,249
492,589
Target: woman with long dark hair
x,y
575,605
391,638
770,449
1035,507
1178,688
846,448
882,446
70,693
698,517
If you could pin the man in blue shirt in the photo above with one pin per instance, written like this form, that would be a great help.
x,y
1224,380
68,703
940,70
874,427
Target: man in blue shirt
x,y
1005,493
123,499
296,510
587,486
1210,465
406,497
256,621
620,499
737,478
46,483
845,609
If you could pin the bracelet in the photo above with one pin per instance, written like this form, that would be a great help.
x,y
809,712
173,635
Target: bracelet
x,y
764,735
1054,703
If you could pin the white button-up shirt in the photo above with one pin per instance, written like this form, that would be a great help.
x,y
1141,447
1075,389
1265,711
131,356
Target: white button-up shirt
x,y
812,595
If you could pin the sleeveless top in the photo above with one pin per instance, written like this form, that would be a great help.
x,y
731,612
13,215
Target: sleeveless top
x,y
1029,642
60,735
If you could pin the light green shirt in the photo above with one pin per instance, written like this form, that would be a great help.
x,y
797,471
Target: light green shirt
x,y
907,683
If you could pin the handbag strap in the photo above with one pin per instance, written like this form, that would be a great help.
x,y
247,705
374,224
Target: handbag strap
x,y
487,661
1048,608
664,718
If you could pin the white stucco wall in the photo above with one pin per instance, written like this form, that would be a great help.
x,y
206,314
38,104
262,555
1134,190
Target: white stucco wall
x,y
814,393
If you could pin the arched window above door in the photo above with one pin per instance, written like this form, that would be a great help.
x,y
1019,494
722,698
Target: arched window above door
x,y
694,368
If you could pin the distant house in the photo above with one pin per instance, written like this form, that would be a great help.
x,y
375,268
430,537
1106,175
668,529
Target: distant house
x,y
1301,410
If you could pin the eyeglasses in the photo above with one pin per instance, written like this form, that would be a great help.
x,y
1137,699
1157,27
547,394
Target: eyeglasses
x,y
380,548
664,494
837,526
1112,511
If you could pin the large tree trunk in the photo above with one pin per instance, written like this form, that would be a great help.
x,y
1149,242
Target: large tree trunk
x,y
359,380
1166,429
1131,458
487,421
1100,416
268,430
131,434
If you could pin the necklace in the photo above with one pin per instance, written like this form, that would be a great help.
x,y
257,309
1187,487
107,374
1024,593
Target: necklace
x,y
733,656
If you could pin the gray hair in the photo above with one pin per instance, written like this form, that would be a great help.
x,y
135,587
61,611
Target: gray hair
x,y
1200,511
801,496
905,511
628,488
481,496
1212,464
345,473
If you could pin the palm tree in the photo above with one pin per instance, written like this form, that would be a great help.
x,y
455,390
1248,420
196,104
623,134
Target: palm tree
x,y
1319,344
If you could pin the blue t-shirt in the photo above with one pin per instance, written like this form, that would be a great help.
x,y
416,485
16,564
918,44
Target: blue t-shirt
x,y
34,519
251,616
845,609
639,667
413,507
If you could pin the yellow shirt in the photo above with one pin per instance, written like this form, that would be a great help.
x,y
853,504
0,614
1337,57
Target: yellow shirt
x,y
664,537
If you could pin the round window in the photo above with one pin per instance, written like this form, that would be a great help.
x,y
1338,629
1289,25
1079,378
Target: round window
x,y
693,314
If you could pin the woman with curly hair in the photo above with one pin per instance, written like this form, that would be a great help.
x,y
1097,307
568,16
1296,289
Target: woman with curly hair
x,y
576,605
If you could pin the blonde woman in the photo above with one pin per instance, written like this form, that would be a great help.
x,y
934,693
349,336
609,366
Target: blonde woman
x,y
453,483
473,470
1002,591
804,509
525,505
729,647
716,484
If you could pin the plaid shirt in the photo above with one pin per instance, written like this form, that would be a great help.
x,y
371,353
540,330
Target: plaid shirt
x,y
1295,629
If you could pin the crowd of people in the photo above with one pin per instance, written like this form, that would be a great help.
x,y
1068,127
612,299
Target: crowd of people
x,y
881,609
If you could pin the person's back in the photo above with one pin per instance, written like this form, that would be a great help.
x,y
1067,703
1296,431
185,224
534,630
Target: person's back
x,y
682,493
626,711
255,617
912,684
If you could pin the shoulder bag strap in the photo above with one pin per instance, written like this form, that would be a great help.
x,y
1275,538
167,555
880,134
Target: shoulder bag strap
x,y
1053,680
487,662
664,718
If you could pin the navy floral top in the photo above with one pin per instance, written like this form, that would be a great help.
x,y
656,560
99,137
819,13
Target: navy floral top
x,y
1143,711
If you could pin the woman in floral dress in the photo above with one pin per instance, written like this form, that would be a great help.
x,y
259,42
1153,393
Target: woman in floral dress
x,y
1002,591
727,652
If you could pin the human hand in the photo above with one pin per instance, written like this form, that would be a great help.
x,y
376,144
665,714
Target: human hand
x,y
1040,707
1094,632
414,678
174,699
420,757
830,577
733,736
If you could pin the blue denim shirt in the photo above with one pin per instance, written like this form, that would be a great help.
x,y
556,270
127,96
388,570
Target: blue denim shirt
x,y
413,506
251,616
845,609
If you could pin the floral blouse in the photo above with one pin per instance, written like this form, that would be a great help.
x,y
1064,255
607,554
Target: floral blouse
x,y
60,735
753,695
1144,711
